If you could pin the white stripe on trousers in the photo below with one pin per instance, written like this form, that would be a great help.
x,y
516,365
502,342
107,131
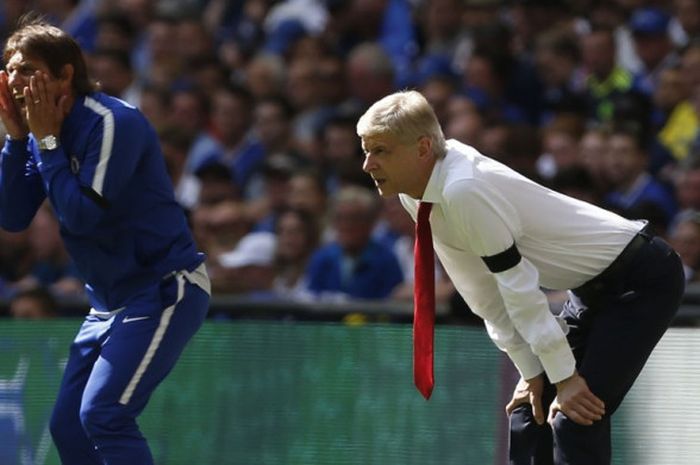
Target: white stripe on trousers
x,y
155,342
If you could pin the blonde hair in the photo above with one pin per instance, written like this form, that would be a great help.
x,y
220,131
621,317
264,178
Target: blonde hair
x,y
406,115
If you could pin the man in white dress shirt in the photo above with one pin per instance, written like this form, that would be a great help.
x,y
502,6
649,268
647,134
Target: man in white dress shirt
x,y
501,237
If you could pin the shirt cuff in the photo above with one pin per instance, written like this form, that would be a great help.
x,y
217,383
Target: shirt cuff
x,y
559,362
49,160
527,363
15,145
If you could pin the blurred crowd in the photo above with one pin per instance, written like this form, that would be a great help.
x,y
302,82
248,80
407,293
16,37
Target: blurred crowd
x,y
256,101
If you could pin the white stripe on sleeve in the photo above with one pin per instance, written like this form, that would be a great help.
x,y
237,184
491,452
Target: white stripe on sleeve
x,y
107,142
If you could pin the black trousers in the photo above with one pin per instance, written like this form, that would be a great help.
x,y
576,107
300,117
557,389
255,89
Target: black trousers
x,y
626,311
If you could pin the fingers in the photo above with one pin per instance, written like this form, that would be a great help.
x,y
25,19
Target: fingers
x,y
595,401
34,92
553,409
534,401
4,92
581,411
512,405
537,412
40,90
592,404
7,101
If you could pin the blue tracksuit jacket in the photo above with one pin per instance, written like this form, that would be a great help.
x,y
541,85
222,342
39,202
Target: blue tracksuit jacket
x,y
108,184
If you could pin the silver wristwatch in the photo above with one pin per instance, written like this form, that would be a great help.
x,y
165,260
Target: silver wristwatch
x,y
49,142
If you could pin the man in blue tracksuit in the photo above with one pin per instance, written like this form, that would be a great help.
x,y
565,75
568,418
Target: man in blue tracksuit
x,y
98,161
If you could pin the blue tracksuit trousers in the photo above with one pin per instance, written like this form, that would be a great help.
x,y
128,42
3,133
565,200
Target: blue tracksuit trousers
x,y
114,365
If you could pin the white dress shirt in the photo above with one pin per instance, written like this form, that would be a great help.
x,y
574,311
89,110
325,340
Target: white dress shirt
x,y
481,208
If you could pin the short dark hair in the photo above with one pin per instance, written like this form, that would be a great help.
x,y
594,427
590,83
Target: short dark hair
x,y
632,129
38,39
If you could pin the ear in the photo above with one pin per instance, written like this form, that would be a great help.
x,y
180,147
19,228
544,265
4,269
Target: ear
x,y
66,76
425,147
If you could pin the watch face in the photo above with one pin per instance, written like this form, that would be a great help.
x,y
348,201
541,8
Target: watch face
x,y
48,143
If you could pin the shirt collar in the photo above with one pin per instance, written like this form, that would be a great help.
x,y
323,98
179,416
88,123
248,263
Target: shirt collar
x,y
433,190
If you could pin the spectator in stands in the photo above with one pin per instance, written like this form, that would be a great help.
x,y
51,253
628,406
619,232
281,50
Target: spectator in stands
x,y
300,90
593,152
248,269
155,105
353,266
216,184
626,163
205,72
441,23
649,26
605,79
265,75
486,79
558,60
115,31
272,124
684,236
560,141
111,68
688,185
156,61
332,88
189,113
308,193
276,173
370,75
219,227
192,39
669,92
239,148
464,122
175,145
680,130
437,80
340,152
33,304
297,238
687,21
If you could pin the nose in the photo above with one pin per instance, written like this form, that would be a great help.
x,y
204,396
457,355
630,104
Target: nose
x,y
14,78
369,163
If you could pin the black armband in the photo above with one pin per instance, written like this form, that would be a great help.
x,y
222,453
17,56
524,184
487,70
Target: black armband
x,y
503,261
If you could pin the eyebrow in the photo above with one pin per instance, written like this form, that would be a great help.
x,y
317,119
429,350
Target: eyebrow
x,y
24,64
374,147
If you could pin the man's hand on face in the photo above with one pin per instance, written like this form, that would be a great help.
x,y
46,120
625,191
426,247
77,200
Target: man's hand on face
x,y
576,401
46,109
529,391
10,112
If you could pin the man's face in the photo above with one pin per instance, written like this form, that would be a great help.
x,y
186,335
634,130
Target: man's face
x,y
353,224
598,50
391,164
624,160
20,68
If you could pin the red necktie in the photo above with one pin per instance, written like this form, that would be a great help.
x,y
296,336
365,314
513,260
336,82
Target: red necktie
x,y
423,303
